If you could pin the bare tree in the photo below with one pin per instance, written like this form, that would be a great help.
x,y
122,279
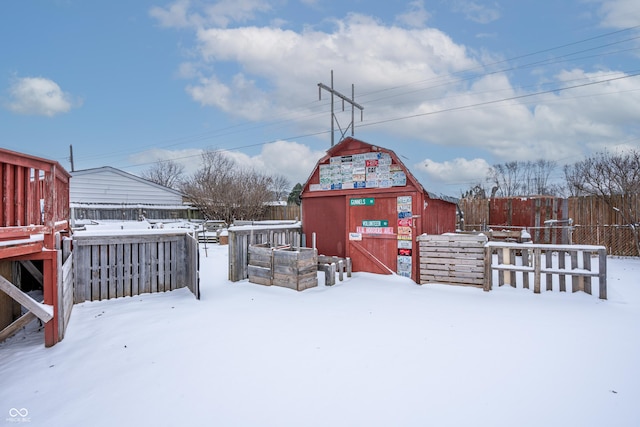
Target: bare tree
x,y
475,192
523,178
164,172
209,186
280,187
605,175
222,190
537,175
508,177
252,194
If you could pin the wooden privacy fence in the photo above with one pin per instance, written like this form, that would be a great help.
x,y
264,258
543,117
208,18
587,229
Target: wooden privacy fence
x,y
242,237
115,265
593,222
279,212
470,260
555,262
452,258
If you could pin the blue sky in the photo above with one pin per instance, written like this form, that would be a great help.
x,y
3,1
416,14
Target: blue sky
x,y
452,86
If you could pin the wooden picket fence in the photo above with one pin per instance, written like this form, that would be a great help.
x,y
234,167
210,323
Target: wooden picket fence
x,y
112,266
463,259
557,263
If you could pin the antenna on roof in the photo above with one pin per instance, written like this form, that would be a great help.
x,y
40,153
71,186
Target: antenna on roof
x,y
351,101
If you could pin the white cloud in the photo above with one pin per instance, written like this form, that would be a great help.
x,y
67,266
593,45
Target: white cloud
x,y
184,13
477,12
38,96
416,16
188,70
189,158
414,83
176,15
456,171
225,12
288,64
620,13
293,160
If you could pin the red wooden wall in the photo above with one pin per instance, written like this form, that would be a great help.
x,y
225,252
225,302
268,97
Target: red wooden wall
x,y
524,211
330,215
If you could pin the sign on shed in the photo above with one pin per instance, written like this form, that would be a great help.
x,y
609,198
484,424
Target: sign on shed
x,y
362,202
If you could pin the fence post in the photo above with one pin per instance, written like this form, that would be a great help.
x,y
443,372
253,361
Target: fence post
x,y
537,269
586,262
488,272
548,263
602,273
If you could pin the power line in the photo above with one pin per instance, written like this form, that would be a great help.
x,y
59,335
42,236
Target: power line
x,y
495,101
463,107
242,127
485,66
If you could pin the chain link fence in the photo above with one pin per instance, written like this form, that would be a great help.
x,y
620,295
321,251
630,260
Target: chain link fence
x,y
618,239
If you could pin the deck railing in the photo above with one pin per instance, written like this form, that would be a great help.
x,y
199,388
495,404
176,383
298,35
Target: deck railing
x,y
34,197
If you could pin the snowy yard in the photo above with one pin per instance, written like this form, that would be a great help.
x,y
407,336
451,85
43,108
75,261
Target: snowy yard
x,y
371,351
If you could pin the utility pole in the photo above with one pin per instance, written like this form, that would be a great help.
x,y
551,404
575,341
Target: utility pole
x,y
71,157
351,101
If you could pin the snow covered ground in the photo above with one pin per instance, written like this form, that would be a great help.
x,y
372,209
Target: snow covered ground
x,y
370,351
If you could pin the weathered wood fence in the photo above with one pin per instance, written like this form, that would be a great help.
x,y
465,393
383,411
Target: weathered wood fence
x,y
111,266
593,222
279,212
242,237
555,262
452,258
470,260
66,286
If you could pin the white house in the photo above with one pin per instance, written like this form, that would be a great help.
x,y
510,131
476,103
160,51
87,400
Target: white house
x,y
109,193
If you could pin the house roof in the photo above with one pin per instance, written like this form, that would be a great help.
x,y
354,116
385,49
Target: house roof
x,y
127,175
107,186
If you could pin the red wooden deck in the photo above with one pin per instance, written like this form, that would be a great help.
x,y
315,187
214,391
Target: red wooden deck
x,y
34,213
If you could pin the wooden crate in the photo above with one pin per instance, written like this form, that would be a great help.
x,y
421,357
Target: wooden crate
x,y
452,258
259,264
289,267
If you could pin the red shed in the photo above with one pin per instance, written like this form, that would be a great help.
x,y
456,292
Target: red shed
x,y
362,202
